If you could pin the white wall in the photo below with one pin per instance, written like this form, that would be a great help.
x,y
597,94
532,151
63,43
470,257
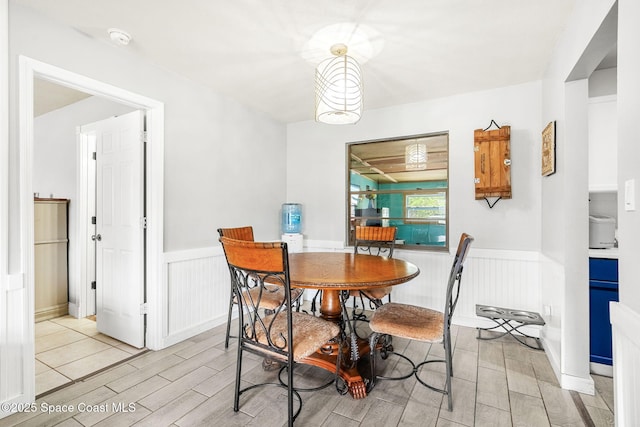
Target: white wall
x,y
224,166
7,363
222,160
629,149
603,144
316,169
565,194
54,156
603,82
625,316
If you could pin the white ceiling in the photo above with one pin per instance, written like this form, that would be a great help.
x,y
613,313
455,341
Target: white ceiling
x,y
50,96
250,50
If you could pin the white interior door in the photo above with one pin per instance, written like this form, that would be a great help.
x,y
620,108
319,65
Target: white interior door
x,y
120,228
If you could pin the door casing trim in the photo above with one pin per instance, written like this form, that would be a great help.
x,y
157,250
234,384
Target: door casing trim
x,y
85,196
154,186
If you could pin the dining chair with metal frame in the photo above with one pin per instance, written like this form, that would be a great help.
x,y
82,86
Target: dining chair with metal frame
x,y
421,324
271,299
281,334
239,233
378,241
369,240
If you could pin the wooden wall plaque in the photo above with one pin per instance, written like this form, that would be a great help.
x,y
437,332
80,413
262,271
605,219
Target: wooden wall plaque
x,y
492,158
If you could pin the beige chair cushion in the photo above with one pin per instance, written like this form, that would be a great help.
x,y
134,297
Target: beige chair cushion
x,y
373,293
408,321
272,299
309,333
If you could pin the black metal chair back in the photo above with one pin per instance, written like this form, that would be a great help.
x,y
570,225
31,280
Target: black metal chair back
x,y
455,277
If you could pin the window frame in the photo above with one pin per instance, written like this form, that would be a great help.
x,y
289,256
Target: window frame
x,y
409,193
351,195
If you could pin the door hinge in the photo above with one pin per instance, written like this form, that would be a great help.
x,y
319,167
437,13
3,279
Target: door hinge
x,y
143,136
143,222
93,284
144,309
94,155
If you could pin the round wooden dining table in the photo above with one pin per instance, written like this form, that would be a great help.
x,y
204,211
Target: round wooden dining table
x,y
333,272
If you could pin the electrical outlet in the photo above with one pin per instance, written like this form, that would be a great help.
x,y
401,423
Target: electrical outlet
x,y
547,310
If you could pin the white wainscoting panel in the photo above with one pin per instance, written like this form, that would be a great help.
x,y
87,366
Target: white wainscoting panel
x,y
16,344
197,289
552,287
197,283
625,324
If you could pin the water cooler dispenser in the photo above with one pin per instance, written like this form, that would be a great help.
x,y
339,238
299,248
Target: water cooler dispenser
x,y
292,226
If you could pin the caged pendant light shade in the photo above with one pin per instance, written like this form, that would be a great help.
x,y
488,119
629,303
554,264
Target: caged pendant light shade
x,y
338,88
416,157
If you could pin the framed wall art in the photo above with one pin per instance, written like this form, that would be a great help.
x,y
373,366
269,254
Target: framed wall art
x,y
549,149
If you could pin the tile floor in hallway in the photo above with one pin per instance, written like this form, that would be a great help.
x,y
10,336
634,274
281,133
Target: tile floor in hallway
x,y
68,349
496,383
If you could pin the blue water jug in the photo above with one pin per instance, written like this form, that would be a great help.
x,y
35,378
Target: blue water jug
x,y
291,218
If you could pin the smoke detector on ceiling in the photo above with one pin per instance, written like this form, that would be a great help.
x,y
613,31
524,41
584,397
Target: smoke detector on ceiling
x,y
119,36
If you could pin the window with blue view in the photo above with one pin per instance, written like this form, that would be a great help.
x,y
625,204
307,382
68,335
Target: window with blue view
x,y
401,183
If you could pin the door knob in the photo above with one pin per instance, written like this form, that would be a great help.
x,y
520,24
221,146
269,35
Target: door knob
x,y
96,237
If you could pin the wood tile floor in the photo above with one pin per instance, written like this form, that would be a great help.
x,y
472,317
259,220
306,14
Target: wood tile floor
x,y
68,349
495,383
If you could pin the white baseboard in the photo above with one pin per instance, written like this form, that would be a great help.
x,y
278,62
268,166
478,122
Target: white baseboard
x,y
568,382
600,369
625,322
579,384
185,334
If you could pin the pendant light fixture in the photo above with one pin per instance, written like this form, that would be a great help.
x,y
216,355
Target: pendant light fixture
x,y
415,157
338,88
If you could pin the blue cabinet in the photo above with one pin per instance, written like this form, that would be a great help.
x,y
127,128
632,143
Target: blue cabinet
x,y
603,288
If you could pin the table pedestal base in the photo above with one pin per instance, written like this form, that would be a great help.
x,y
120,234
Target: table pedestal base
x,y
354,374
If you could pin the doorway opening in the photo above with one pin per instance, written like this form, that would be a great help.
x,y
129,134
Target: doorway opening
x,y
109,153
152,182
